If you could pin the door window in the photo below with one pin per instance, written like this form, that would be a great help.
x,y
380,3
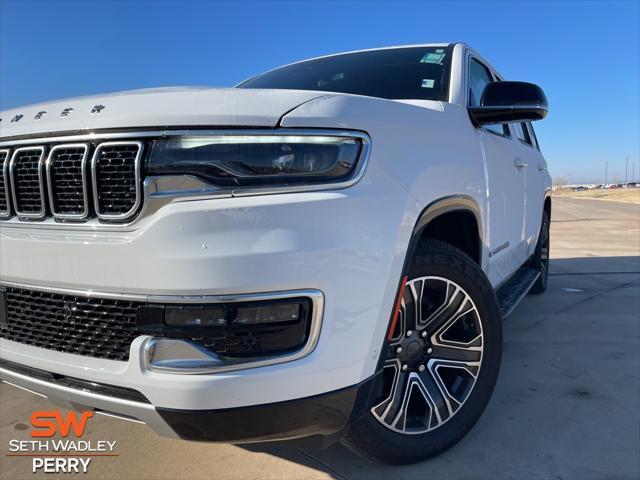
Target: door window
x,y
521,132
532,136
479,77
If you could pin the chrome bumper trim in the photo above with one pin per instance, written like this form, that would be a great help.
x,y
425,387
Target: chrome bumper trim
x,y
82,401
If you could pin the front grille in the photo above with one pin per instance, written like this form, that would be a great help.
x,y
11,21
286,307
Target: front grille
x,y
26,180
115,170
94,327
77,182
4,184
67,181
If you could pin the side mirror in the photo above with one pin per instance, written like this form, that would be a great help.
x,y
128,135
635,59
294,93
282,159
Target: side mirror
x,y
504,102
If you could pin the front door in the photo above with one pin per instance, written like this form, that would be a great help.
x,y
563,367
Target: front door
x,y
506,172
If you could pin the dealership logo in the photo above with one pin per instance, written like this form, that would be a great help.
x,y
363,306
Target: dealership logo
x,y
67,454
47,424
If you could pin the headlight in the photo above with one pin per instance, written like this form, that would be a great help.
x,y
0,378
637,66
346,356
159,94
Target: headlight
x,y
254,160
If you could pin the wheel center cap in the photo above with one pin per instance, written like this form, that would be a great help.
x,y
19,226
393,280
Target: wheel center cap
x,y
412,352
414,349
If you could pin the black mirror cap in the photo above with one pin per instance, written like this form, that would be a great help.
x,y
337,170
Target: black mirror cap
x,y
507,101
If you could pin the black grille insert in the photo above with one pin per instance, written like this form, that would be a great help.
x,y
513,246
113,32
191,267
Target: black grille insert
x,y
67,182
26,180
94,327
5,211
116,171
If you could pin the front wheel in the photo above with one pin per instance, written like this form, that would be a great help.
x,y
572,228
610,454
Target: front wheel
x,y
440,362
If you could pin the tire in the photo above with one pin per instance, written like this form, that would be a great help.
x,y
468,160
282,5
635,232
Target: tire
x,y
447,281
540,259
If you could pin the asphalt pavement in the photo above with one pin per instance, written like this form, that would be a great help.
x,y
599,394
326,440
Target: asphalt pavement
x,y
566,406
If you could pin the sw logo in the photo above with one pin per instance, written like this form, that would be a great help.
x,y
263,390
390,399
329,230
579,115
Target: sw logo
x,y
48,423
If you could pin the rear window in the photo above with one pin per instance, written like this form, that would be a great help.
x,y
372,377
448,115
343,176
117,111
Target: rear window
x,y
416,73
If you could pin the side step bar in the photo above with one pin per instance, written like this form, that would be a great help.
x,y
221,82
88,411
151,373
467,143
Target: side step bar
x,y
514,290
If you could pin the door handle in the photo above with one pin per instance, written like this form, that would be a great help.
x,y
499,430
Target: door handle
x,y
542,167
519,163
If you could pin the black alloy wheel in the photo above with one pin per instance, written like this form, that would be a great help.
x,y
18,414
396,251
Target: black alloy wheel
x,y
440,360
433,358
540,259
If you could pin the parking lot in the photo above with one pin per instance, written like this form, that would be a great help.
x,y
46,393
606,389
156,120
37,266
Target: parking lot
x,y
567,403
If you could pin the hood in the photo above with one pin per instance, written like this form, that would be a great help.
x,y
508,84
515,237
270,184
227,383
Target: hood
x,y
155,107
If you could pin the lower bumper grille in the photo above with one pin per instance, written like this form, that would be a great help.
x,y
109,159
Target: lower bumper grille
x,y
94,327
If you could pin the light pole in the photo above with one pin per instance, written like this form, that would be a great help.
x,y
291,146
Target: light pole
x,y
606,167
626,170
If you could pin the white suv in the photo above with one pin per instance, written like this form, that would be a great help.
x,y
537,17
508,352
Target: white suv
x,y
323,253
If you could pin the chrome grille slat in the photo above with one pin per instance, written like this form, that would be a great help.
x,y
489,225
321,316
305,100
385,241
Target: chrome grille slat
x,y
116,179
5,204
67,181
27,187
66,185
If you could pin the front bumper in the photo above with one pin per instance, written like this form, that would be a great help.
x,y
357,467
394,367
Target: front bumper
x,y
313,422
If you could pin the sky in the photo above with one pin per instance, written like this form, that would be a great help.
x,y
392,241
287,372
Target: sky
x,y
584,54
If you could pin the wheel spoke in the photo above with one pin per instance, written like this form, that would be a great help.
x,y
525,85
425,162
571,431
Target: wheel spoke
x,y
457,354
416,403
388,410
464,309
414,305
454,303
456,379
444,408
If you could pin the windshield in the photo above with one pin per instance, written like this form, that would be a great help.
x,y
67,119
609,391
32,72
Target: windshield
x,y
398,73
